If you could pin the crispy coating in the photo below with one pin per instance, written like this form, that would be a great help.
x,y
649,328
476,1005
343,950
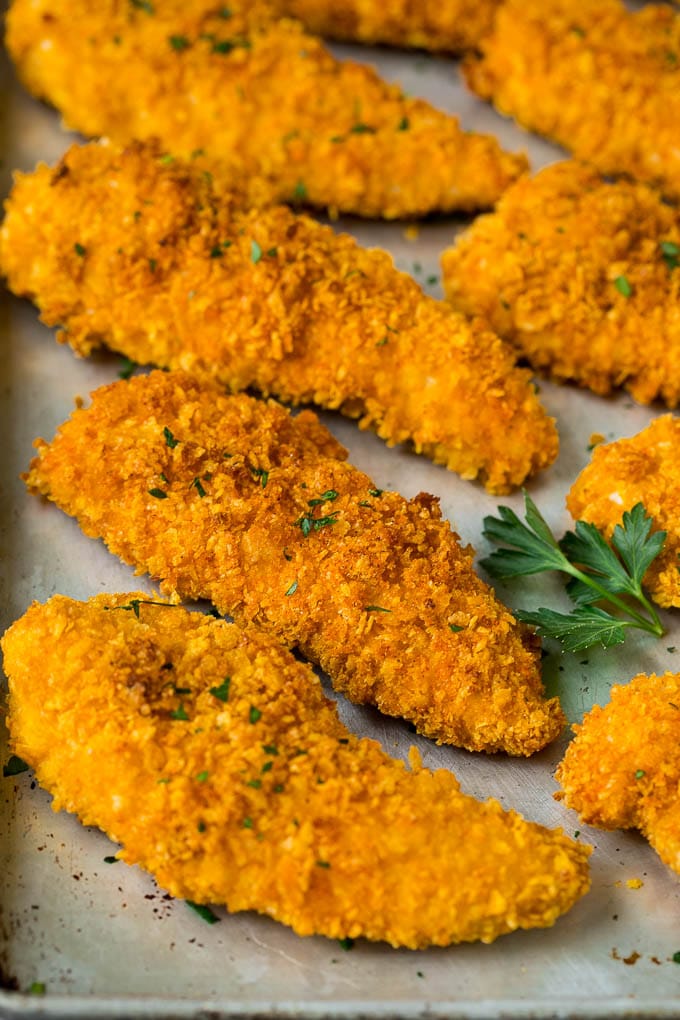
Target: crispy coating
x,y
260,96
644,469
160,263
231,499
250,792
581,275
601,81
425,24
623,768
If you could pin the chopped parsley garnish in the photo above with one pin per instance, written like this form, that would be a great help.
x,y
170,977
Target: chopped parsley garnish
x,y
381,343
202,776
227,45
375,492
261,474
292,589
605,573
623,286
216,253
362,129
179,713
455,628
152,265
247,823
111,859
133,606
670,253
143,5
300,191
222,691
198,487
203,911
307,523
14,766
224,12
323,864
169,438
255,783
640,773
278,788
255,252
127,367
267,767
201,826
37,988
79,249
270,749
178,42
346,944
376,609
676,957
404,124
254,714
158,494
326,497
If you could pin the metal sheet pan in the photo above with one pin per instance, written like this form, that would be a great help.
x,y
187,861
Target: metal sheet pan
x,y
103,939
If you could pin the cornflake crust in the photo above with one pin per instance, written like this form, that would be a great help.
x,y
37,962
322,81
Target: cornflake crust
x,y
582,275
156,260
623,767
450,27
644,469
601,81
262,98
233,500
215,759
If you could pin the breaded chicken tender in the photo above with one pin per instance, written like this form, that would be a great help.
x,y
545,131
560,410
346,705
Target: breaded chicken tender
x,y
261,97
231,499
582,275
623,768
598,79
644,469
156,261
215,759
426,24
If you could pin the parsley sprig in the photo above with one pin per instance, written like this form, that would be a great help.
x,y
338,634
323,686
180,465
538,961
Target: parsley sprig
x,y
599,572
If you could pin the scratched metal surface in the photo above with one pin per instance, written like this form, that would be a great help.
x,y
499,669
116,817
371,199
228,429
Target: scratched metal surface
x,y
104,939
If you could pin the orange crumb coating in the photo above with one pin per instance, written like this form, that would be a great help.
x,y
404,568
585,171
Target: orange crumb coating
x,y
233,500
257,797
159,262
644,469
425,24
601,81
260,96
622,770
579,274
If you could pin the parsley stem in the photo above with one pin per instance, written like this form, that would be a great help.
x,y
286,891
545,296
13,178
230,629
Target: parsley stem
x,y
653,626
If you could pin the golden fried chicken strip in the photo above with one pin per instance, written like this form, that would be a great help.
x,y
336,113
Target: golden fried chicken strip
x,y
260,96
233,500
644,469
601,81
426,24
582,275
215,759
158,262
623,768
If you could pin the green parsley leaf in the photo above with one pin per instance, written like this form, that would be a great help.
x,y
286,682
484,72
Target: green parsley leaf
x,y
623,286
178,42
670,253
300,191
254,714
597,573
79,249
111,859
307,523
179,713
328,496
261,474
362,129
222,691
37,988
376,609
158,494
198,487
169,438
292,589
640,773
127,367
676,957
404,124
323,864
346,944
455,628
270,749
14,766
202,776
255,252
247,823
203,911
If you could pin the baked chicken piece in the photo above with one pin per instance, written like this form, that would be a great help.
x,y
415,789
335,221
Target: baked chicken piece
x,y
644,469
582,275
623,768
155,260
598,79
215,759
450,27
231,499
262,98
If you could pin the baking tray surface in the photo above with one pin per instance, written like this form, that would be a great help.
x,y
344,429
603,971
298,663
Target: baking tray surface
x,y
102,938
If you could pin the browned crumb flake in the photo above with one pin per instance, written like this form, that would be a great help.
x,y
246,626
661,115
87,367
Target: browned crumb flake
x,y
253,794
161,263
582,275
231,499
643,469
426,24
601,81
623,767
260,96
